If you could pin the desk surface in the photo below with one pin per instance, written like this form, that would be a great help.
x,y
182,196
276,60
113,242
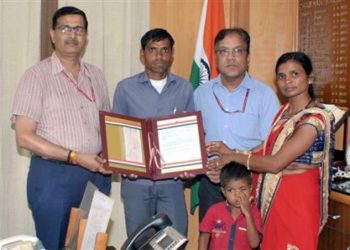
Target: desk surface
x,y
339,197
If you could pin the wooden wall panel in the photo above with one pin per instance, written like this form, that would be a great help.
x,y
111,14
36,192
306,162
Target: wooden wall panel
x,y
239,14
48,8
273,30
181,19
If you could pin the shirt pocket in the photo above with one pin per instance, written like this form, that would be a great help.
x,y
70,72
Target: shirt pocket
x,y
245,125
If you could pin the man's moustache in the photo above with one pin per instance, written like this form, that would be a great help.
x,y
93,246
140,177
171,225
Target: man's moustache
x,y
71,41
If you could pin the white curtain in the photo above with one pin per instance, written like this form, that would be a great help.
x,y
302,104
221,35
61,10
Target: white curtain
x,y
20,48
115,29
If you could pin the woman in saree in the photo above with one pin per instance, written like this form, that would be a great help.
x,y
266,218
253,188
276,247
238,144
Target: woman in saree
x,y
292,191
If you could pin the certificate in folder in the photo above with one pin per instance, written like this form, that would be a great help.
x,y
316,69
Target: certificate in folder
x,y
154,148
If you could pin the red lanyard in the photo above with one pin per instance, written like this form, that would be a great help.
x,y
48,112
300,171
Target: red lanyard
x,y
92,99
232,112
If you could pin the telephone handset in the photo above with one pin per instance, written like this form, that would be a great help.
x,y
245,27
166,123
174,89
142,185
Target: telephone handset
x,y
155,234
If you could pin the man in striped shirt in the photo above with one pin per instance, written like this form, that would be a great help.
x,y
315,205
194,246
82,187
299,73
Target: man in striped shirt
x,y
56,117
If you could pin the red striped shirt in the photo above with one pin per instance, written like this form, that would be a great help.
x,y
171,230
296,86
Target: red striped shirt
x,y
66,115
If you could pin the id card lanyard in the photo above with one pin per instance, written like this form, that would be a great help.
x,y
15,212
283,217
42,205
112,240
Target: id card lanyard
x,y
77,87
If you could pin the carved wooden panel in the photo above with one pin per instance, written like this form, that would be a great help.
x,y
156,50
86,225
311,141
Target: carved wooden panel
x,y
324,35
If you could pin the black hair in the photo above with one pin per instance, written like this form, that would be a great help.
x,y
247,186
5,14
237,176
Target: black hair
x,y
68,10
303,60
234,171
239,31
157,35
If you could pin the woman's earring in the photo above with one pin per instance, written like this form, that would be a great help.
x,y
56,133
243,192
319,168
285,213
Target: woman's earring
x,y
311,79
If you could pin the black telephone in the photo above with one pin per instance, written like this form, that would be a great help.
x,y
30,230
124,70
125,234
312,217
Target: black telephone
x,y
155,234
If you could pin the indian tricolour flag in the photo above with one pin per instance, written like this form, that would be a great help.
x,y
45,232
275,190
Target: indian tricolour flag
x,y
212,20
204,65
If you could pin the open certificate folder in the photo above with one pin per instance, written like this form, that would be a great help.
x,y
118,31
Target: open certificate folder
x,y
155,148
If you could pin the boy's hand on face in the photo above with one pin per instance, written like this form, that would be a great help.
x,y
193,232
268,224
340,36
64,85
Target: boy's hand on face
x,y
245,201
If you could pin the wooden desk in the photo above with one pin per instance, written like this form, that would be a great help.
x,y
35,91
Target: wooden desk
x,y
336,233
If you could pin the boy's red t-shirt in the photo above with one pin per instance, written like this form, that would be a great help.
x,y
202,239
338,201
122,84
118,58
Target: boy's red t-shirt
x,y
223,228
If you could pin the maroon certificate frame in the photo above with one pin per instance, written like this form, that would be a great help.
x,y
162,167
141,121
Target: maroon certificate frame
x,y
154,148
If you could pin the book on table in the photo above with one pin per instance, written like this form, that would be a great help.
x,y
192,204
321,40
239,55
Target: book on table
x,y
155,148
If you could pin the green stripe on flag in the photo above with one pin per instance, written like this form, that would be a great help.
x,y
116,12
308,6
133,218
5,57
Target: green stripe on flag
x,y
194,78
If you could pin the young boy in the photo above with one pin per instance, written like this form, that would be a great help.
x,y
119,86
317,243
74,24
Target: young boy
x,y
234,223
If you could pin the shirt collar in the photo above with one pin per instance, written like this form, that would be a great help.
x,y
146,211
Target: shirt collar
x,y
228,206
57,67
246,82
229,209
143,78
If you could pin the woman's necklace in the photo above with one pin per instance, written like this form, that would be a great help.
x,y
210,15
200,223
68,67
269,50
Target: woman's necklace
x,y
287,113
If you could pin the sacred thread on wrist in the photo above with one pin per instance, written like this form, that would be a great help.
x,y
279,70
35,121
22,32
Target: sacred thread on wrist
x,y
72,157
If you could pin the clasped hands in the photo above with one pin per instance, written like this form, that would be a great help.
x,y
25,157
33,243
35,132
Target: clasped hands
x,y
93,163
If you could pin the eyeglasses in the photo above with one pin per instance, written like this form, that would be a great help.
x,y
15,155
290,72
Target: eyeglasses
x,y
232,112
79,30
225,52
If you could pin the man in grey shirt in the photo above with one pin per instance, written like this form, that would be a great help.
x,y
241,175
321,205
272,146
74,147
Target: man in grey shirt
x,y
154,92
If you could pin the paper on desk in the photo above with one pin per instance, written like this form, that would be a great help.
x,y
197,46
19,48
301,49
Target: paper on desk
x,y
82,213
98,218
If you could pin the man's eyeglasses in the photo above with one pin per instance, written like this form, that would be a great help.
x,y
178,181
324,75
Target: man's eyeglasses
x,y
235,111
79,30
225,52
